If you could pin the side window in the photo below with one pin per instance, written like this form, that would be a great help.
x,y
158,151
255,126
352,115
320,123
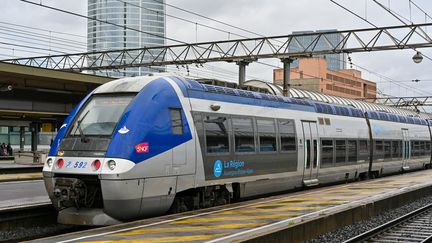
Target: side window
x,y
340,151
287,135
352,150
387,149
427,147
327,152
176,121
216,133
422,148
396,149
363,150
379,149
266,135
243,135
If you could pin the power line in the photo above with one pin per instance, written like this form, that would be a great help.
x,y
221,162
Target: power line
x,y
31,47
36,34
49,44
358,16
182,19
45,30
102,21
426,14
208,18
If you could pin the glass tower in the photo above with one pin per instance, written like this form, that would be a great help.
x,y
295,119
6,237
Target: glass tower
x,y
334,61
142,19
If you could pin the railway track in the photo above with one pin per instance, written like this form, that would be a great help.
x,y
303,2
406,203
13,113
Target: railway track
x,y
415,226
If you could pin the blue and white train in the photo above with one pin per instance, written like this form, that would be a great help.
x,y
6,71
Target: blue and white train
x,y
144,146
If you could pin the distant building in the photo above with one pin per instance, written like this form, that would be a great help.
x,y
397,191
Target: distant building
x,y
143,15
334,61
312,74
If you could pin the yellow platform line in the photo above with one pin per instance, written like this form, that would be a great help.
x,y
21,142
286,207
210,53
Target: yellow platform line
x,y
163,239
243,217
186,228
272,210
303,204
21,176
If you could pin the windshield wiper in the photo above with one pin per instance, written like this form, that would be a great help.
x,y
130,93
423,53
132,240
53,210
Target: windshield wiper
x,y
84,139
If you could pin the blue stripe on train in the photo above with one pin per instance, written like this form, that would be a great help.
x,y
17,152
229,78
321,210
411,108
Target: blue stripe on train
x,y
148,120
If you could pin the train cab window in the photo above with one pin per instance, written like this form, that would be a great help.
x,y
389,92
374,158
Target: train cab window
x,y
379,149
326,152
387,149
266,135
176,121
352,150
287,135
363,150
396,148
216,133
340,151
243,135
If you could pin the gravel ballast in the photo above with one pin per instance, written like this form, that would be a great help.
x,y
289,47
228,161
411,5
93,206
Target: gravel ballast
x,y
353,230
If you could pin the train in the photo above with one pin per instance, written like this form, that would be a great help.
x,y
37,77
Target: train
x,y
138,147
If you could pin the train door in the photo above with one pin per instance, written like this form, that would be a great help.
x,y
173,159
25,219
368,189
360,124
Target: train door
x,y
406,149
311,158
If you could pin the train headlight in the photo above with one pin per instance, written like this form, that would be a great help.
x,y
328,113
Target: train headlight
x,y
111,164
49,162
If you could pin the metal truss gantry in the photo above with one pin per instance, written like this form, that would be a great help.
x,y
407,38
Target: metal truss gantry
x,y
241,51
402,102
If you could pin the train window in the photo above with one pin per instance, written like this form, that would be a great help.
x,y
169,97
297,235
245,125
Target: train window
x,y
287,135
352,150
216,130
415,148
327,121
321,120
363,150
396,149
340,151
243,135
422,148
266,135
427,147
326,152
379,149
176,121
387,149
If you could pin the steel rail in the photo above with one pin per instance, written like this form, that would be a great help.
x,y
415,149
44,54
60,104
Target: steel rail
x,y
369,236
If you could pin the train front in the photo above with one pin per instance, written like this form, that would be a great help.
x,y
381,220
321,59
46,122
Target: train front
x,y
95,170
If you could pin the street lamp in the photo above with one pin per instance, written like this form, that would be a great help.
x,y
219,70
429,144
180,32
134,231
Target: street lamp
x,y
417,58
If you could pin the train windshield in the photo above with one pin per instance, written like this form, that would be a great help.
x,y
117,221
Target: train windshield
x,y
100,116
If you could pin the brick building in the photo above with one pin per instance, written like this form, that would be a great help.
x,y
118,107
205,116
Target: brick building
x,y
312,74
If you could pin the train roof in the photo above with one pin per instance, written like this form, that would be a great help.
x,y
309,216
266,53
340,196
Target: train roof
x,y
195,89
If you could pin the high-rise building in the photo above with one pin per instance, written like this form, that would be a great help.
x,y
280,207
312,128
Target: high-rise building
x,y
334,61
138,16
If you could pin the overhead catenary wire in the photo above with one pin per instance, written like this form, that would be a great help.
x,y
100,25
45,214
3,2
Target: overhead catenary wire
x,y
258,34
367,21
121,26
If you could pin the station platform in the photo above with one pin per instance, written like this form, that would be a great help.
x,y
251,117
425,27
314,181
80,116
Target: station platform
x,y
10,170
22,194
262,218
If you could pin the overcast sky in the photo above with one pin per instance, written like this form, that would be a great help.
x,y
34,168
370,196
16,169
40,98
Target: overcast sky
x,y
276,17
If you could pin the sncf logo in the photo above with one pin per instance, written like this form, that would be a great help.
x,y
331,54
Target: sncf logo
x,y
142,148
